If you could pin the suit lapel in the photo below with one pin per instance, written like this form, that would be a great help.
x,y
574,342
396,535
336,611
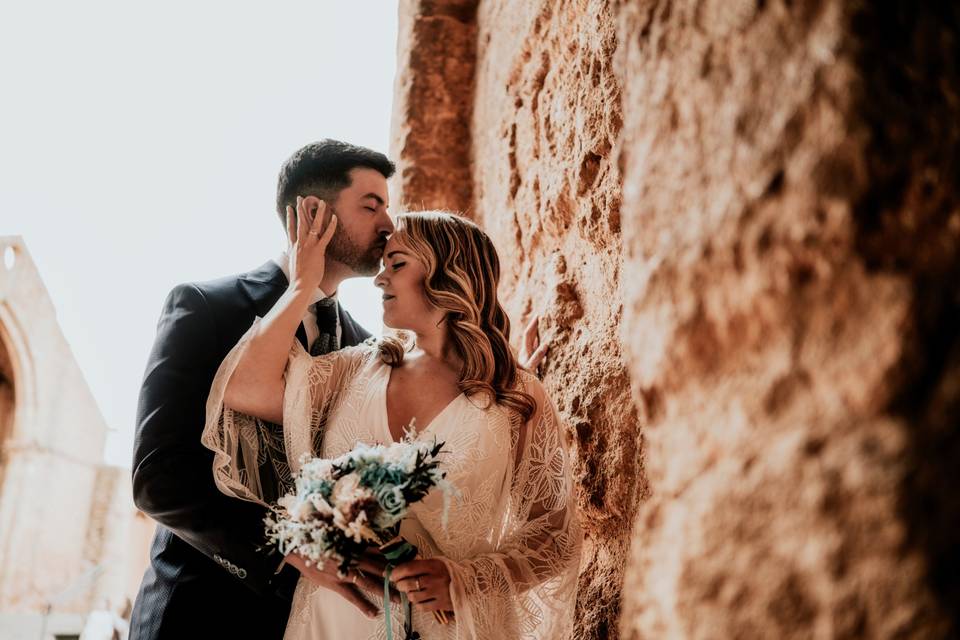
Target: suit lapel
x,y
350,332
264,286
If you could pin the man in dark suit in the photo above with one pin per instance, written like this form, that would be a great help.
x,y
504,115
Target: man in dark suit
x,y
209,575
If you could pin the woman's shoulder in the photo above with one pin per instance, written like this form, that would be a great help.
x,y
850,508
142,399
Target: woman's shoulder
x,y
366,352
362,353
343,364
530,383
369,346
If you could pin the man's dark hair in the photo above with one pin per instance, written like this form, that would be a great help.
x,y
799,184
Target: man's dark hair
x,y
323,169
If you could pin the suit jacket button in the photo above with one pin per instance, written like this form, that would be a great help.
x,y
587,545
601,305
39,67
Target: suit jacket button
x,y
217,558
242,574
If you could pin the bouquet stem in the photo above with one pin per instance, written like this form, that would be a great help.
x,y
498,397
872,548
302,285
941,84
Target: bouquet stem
x,y
398,551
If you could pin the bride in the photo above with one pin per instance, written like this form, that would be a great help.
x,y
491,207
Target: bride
x,y
506,563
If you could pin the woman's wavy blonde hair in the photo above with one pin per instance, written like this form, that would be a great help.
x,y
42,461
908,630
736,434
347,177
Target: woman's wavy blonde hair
x,y
462,274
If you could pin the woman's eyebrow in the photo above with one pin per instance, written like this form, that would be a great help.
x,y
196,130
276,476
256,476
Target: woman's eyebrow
x,y
393,253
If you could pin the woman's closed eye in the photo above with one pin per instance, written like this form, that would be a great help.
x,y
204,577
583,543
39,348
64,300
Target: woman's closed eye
x,y
397,265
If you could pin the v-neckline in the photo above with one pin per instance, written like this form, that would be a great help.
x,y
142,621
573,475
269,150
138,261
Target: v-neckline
x,y
386,411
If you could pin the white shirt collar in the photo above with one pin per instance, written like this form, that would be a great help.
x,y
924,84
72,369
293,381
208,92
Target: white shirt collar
x,y
283,261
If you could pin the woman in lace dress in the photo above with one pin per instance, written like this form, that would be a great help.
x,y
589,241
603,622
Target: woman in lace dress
x,y
506,563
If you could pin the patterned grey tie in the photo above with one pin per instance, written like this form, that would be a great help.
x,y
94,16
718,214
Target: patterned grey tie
x,y
326,341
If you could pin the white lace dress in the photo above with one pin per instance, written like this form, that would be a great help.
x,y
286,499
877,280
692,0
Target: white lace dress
x,y
512,540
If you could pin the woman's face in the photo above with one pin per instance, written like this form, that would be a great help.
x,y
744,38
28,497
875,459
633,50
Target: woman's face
x,y
405,304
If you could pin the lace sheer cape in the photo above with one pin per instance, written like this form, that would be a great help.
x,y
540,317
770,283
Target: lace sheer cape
x,y
512,545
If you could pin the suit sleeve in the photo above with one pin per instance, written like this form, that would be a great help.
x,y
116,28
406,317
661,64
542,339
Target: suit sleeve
x,y
172,479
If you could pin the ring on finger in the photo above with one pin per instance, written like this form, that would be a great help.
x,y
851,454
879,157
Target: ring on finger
x,y
419,588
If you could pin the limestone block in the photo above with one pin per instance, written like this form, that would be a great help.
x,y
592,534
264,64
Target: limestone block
x,y
791,224
547,114
740,220
430,135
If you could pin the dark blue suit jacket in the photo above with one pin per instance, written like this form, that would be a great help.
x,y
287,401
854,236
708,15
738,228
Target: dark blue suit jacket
x,y
209,575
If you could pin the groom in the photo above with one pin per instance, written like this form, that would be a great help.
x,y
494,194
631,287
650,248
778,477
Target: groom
x,y
208,575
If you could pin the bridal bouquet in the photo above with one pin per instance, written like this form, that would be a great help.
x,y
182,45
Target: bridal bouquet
x,y
340,507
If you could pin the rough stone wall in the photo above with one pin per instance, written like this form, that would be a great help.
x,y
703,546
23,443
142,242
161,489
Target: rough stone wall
x,y
791,225
761,370
430,127
546,115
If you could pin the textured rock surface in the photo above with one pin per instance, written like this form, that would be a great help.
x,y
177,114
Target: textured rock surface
x,y
430,129
780,311
546,116
791,223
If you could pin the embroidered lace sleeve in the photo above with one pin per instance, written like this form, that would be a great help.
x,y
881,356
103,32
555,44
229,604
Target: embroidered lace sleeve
x,y
254,459
313,386
527,587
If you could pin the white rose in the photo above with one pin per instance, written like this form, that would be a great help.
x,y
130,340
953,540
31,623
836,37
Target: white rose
x,y
346,489
402,455
300,510
320,505
318,468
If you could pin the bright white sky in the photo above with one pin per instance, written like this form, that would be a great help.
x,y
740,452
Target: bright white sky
x,y
140,144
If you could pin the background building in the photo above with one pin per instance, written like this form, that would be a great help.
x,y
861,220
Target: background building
x,y
71,539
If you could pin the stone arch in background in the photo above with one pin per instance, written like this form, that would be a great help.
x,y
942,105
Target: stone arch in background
x,y
51,468
16,390
7,399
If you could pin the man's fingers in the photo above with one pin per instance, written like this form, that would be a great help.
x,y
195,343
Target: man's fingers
x,y
354,597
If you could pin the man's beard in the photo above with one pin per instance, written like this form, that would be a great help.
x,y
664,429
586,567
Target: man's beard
x,y
345,250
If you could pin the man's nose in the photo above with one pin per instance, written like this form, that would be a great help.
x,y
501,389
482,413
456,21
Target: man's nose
x,y
385,225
